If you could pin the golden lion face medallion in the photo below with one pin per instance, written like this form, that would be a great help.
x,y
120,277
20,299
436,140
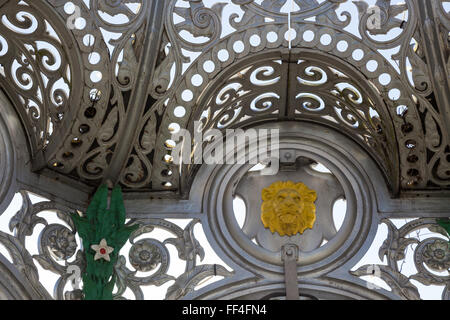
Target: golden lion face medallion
x,y
288,208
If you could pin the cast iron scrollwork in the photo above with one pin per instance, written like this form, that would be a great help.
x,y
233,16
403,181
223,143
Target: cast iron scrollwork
x,y
430,253
151,255
58,250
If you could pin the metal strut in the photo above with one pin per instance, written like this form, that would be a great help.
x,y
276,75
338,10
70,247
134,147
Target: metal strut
x,y
289,255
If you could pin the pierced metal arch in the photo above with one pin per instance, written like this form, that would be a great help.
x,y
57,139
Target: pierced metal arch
x,y
38,71
302,86
93,141
407,95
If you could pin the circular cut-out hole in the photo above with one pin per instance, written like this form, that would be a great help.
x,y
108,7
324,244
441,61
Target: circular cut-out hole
x,y
223,55
96,76
342,46
168,158
394,94
94,58
67,155
372,65
384,79
412,183
90,112
84,128
166,173
358,54
413,158
410,144
95,95
209,66
69,8
290,35
308,36
187,95
197,80
255,40
58,165
80,23
76,142
413,172
170,144
88,40
402,110
238,46
174,128
325,39
379,129
272,36
407,127
179,112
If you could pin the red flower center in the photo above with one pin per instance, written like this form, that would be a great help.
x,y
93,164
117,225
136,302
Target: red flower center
x,y
102,251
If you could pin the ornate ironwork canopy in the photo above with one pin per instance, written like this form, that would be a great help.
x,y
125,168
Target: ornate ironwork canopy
x,y
93,91
98,97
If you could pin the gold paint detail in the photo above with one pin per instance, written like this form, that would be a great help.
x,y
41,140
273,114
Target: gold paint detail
x,y
288,208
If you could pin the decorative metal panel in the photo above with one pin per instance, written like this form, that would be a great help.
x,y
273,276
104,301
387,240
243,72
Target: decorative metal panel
x,y
93,91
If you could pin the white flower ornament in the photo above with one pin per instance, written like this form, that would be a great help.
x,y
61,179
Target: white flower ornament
x,y
102,250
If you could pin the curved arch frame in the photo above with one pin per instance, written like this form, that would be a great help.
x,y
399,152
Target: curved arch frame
x,y
317,278
397,139
286,106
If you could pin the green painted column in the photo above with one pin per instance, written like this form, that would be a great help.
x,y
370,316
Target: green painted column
x,y
104,233
445,223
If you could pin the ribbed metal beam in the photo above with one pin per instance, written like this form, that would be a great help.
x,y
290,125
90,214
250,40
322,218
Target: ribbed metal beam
x,y
138,98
